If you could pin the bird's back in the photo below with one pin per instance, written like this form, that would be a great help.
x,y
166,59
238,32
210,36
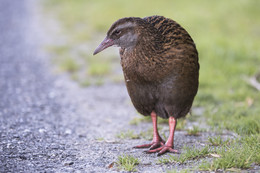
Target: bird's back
x,y
174,34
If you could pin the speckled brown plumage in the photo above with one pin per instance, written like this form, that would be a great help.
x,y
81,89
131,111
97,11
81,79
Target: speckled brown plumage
x,y
161,72
160,65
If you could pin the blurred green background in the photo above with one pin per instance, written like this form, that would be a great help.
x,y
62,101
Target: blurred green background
x,y
227,35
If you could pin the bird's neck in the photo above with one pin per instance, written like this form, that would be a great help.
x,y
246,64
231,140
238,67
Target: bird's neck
x,y
142,58
149,45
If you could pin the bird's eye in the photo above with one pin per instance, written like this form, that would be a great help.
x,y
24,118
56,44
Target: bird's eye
x,y
117,32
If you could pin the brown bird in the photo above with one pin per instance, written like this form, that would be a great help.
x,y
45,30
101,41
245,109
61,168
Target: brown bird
x,y
161,70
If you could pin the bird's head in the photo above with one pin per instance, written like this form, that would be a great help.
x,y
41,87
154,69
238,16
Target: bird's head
x,y
123,33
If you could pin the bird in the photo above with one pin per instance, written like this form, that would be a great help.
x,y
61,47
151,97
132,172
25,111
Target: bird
x,y
160,65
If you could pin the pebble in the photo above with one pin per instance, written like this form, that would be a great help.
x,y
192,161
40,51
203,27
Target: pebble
x,y
42,130
68,132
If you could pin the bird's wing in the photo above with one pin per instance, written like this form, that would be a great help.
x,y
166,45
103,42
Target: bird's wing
x,y
178,45
174,34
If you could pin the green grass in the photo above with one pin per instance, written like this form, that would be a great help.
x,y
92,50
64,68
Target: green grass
x,y
240,154
195,131
179,171
148,134
100,139
138,120
128,135
238,118
127,163
226,34
181,124
229,155
187,154
85,83
141,119
99,69
69,64
217,141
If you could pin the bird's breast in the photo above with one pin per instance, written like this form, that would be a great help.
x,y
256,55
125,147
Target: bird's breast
x,y
139,68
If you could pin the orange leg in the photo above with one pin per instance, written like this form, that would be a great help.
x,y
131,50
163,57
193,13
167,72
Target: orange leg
x,y
157,140
168,147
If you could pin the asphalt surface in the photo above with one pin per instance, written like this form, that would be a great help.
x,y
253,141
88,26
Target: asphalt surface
x,y
32,135
48,123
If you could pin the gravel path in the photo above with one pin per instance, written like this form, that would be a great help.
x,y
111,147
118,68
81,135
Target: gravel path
x,y
47,122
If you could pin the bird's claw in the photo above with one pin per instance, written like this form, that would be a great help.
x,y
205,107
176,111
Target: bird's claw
x,y
152,145
162,150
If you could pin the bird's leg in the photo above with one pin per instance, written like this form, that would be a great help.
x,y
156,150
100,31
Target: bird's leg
x,y
168,146
157,140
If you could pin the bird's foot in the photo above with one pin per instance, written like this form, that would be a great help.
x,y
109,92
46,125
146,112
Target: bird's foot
x,y
162,150
152,145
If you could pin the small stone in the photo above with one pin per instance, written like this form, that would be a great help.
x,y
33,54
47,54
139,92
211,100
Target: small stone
x,y
54,146
22,157
42,130
82,136
68,131
111,165
26,131
215,155
68,163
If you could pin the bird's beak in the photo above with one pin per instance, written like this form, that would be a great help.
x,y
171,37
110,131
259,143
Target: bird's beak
x,y
107,42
